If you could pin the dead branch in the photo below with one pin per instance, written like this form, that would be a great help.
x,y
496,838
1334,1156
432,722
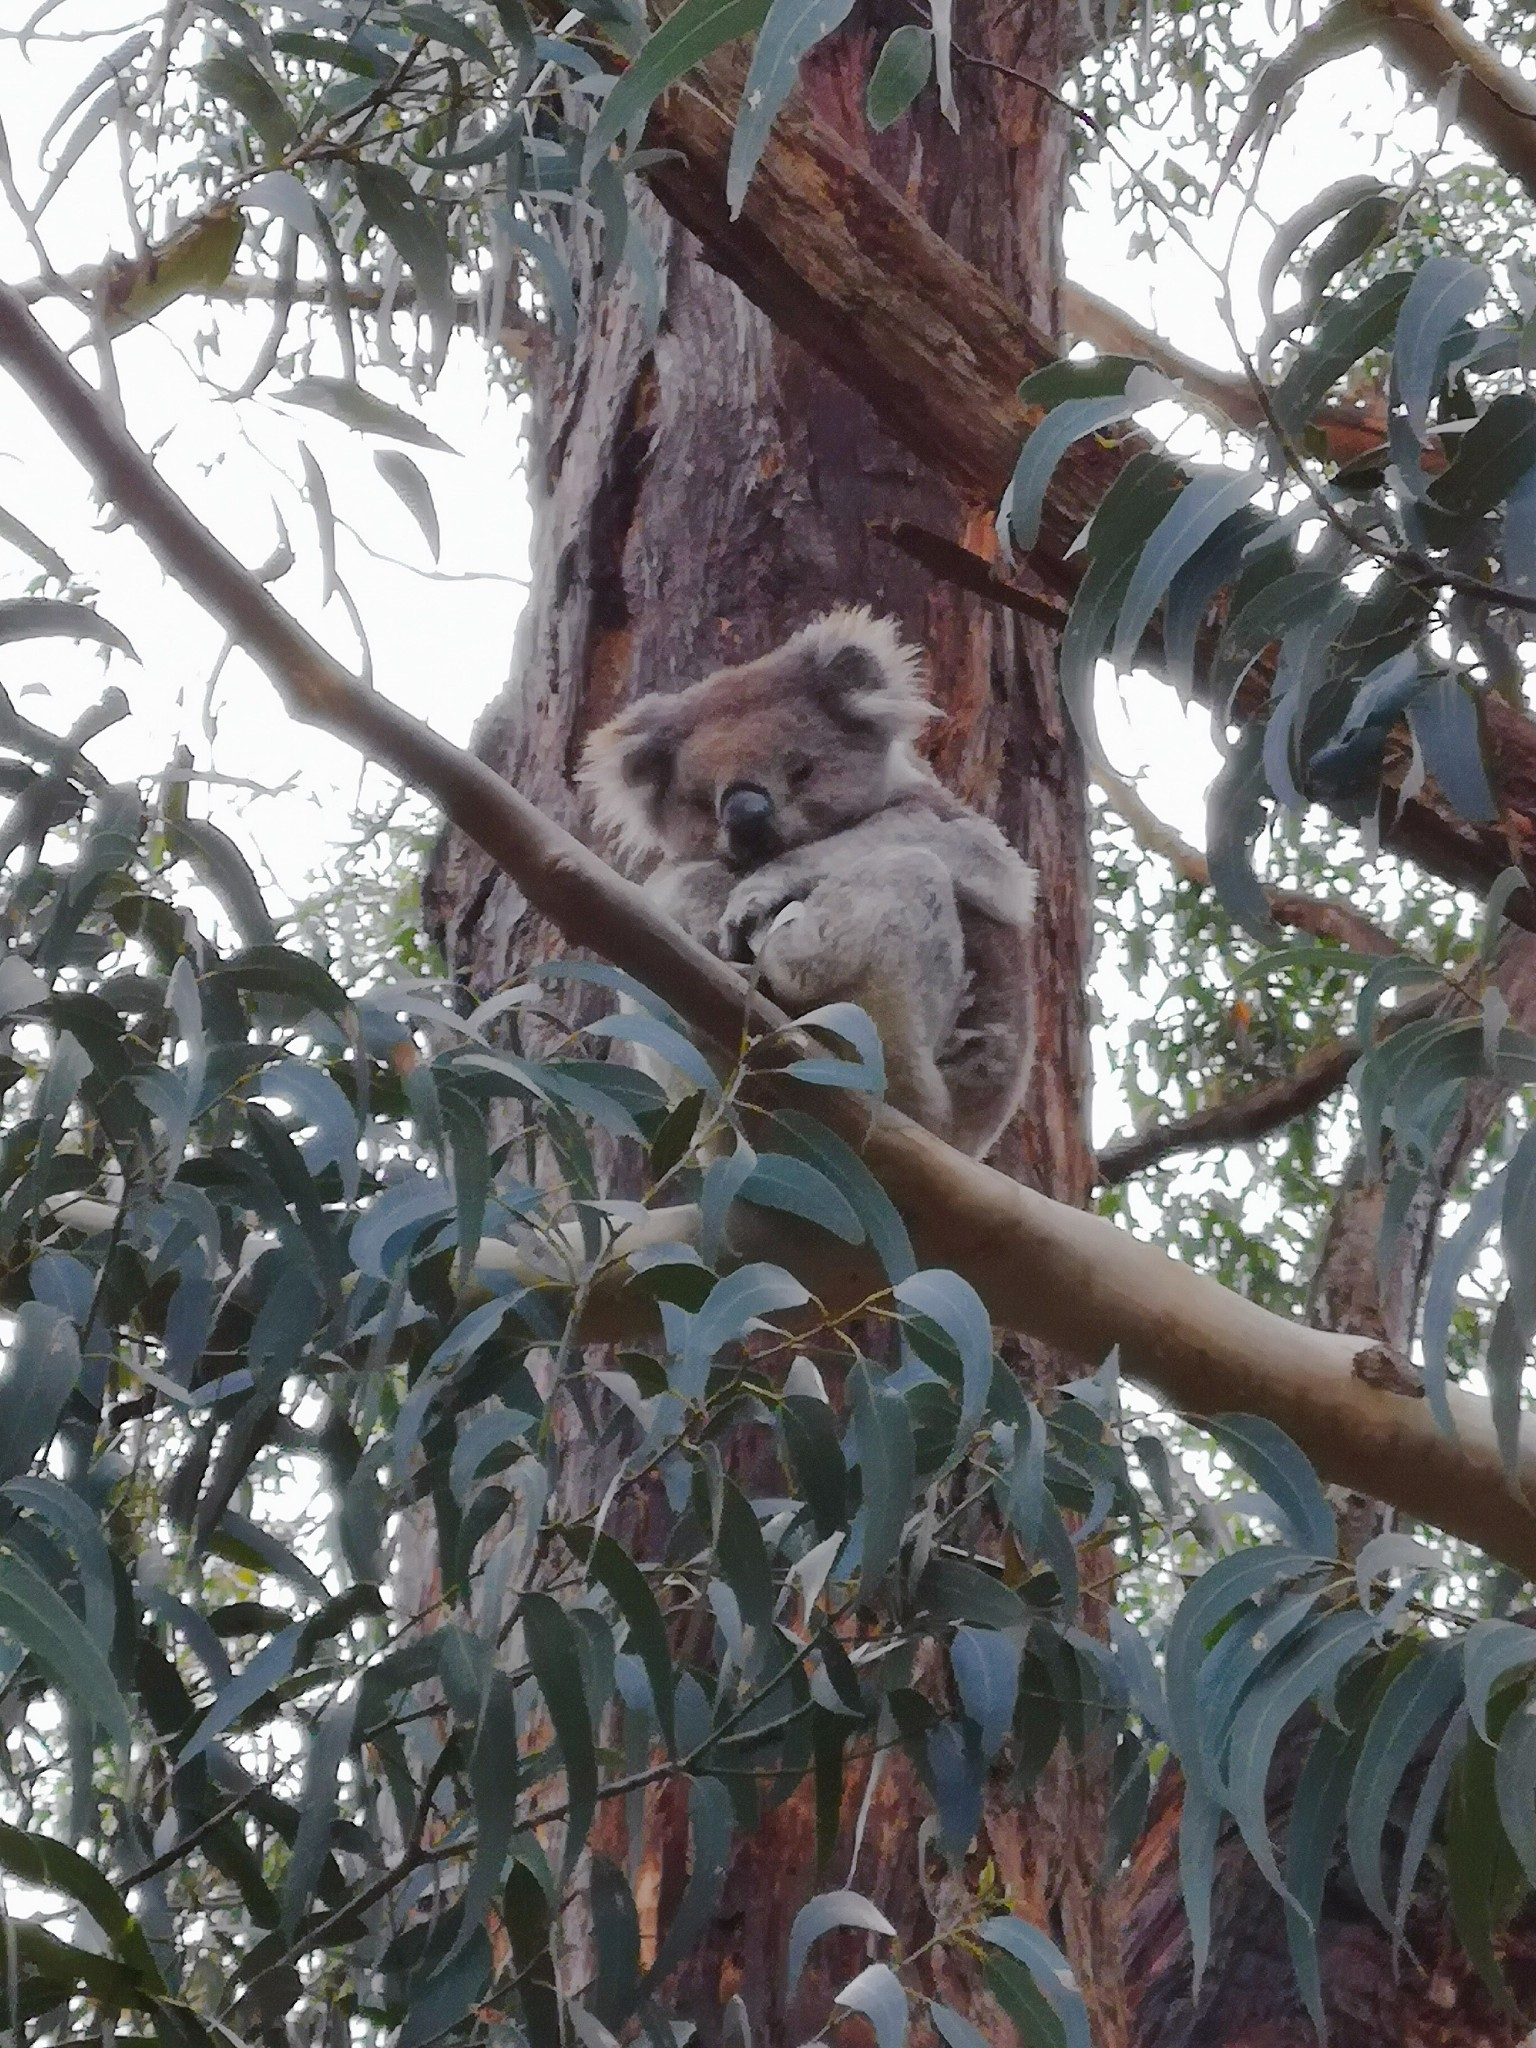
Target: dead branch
x,y
1075,1281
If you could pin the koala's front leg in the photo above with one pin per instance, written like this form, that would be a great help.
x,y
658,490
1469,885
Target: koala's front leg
x,y
883,932
757,900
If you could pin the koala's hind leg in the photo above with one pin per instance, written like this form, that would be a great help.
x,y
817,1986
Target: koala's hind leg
x,y
881,931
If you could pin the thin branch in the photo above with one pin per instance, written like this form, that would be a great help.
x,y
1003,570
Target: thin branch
x,y
1240,1119
1076,1282
1325,917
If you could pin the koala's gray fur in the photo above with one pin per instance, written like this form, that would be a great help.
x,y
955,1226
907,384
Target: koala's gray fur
x,y
796,826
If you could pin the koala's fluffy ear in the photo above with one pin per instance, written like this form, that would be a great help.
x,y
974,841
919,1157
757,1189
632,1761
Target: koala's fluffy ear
x,y
866,671
626,770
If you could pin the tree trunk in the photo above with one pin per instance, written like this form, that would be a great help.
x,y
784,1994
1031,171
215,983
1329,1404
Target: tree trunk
x,y
699,492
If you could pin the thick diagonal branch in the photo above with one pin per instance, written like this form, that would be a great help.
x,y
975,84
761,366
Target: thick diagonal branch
x,y
1074,1280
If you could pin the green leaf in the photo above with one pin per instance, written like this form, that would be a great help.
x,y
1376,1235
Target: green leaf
x,y
1491,458
614,1989
1472,1831
1236,807
1347,330
1209,1604
1199,1830
1312,1830
903,68
735,1306
778,1181
340,399
1444,721
1268,1456
618,1574
820,1916
443,27
42,1370
1491,1650
1069,420
954,2030
1414,1703
1443,292
1514,1780
986,1668
414,228
888,1468
227,872
251,93
1311,1668
691,33
856,1028
266,1670
1206,503
555,1655
1050,1970
45,1626
952,1590
414,493
711,1820
944,1298
815,1457
77,1524
792,27
39,1860
1346,26
42,618
1270,614
446,1998
743,1559
876,1993
1132,509
328,1745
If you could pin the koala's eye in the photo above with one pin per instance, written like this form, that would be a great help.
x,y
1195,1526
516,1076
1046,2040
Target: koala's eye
x,y
798,771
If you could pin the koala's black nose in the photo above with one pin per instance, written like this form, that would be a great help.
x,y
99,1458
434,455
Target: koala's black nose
x,y
747,815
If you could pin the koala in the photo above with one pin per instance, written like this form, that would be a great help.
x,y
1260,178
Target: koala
x,y
797,827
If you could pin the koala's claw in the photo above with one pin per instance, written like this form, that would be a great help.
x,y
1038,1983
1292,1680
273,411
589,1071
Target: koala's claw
x,y
750,916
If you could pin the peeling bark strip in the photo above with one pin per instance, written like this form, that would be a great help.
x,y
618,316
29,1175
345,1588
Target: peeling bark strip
x,y
836,258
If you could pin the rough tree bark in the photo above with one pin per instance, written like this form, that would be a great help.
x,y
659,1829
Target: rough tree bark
x,y
698,494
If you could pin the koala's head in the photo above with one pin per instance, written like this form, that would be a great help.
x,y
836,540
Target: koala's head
x,y
759,759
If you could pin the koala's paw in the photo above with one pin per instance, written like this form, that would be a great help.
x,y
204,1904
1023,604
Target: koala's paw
x,y
755,909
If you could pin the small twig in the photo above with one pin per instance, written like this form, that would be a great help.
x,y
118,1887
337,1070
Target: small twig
x,y
1325,917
